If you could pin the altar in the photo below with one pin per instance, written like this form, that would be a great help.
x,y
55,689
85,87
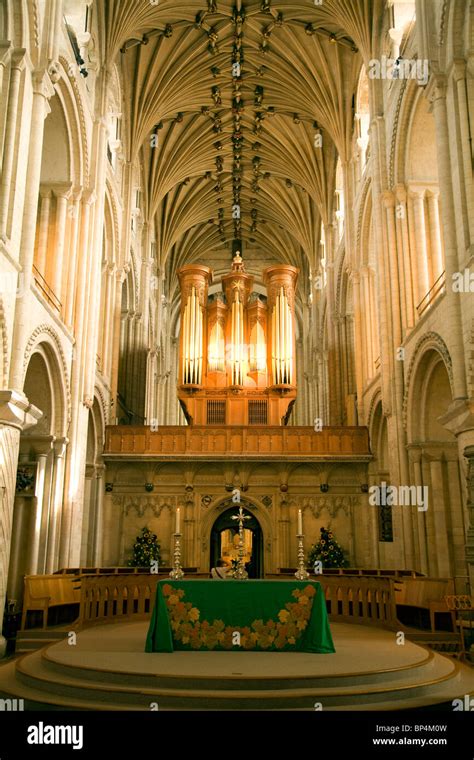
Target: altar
x,y
237,615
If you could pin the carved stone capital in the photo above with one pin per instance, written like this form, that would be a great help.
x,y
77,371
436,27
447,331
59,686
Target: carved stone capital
x,y
16,411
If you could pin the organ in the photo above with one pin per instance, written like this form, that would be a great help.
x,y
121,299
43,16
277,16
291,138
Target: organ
x,y
237,346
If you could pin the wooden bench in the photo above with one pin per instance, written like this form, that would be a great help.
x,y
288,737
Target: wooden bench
x,y
461,607
424,593
351,571
44,592
119,570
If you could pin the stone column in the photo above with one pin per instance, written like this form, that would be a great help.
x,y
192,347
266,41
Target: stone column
x,y
188,529
16,569
418,199
409,274
6,48
437,263
98,515
17,66
43,90
43,230
458,517
75,213
59,449
365,346
469,454
120,276
16,415
430,528
415,458
42,449
436,92
108,317
437,504
62,193
283,559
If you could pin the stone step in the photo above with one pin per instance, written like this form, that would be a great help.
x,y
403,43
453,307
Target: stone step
x,y
33,672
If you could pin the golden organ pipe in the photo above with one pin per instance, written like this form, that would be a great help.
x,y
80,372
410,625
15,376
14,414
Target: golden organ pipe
x,y
193,335
282,337
289,348
183,342
186,341
199,342
195,344
273,346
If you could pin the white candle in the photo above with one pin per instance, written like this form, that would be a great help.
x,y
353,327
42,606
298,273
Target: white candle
x,y
300,523
177,520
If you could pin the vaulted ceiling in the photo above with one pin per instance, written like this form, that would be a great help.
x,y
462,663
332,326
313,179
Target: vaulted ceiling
x,y
238,113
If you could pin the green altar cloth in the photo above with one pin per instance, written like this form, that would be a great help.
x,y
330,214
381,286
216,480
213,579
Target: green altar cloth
x,y
285,616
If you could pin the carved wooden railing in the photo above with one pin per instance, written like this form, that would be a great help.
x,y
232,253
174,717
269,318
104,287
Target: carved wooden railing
x,y
116,598
182,441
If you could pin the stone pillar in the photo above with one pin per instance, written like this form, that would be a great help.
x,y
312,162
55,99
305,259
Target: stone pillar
x,y
75,214
436,91
437,504
409,274
16,415
437,263
62,193
469,454
17,66
418,200
43,229
120,276
430,528
420,537
188,529
366,347
457,513
43,90
42,450
59,449
98,515
6,48
16,569
108,319
283,558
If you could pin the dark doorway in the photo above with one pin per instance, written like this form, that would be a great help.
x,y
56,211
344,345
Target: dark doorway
x,y
225,528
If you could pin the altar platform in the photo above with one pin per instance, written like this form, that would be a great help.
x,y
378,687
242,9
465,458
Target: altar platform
x,y
109,670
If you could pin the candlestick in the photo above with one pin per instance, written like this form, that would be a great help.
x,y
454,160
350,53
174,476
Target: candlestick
x,y
177,520
301,574
300,522
177,572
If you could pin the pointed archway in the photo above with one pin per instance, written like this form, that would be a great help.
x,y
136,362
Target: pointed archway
x,y
223,532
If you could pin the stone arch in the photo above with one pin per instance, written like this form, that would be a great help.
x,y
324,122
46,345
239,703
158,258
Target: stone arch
x,y
434,462
430,342
39,495
252,505
46,337
68,92
429,395
45,358
379,435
